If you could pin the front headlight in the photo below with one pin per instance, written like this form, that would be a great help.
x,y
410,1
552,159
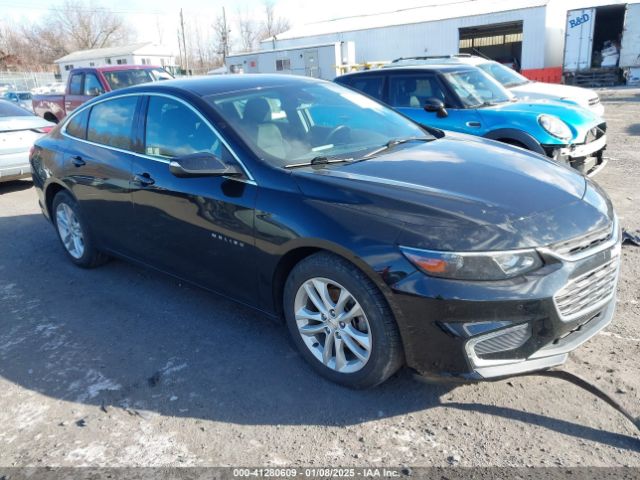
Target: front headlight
x,y
474,265
555,127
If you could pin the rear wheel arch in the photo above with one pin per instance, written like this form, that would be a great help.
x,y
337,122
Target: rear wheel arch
x,y
50,193
51,117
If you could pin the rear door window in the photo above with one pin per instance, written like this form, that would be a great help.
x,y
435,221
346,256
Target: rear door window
x,y
75,84
111,122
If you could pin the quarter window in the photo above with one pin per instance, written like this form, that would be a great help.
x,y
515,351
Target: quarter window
x,y
77,126
75,85
111,122
173,129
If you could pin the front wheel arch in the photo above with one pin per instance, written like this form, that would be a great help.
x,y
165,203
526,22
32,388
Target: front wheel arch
x,y
297,253
512,135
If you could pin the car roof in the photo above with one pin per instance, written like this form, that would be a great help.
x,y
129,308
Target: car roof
x,y
443,60
213,85
452,67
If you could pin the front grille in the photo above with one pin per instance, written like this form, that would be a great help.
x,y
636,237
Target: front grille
x,y
588,291
583,243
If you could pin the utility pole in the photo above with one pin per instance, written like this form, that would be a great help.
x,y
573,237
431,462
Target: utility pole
x,y
184,43
179,47
225,37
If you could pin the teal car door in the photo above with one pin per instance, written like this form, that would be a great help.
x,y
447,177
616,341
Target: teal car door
x,y
408,93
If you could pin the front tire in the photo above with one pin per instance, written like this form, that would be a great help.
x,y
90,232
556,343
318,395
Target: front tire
x,y
74,233
341,322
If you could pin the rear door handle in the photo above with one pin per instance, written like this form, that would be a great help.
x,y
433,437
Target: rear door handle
x,y
78,161
143,179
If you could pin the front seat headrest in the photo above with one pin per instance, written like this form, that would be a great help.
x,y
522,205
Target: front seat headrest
x,y
257,110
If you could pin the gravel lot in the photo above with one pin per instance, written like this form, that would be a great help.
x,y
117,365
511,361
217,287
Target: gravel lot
x,y
120,366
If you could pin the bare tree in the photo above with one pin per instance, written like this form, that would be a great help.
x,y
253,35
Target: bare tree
x,y
221,35
247,30
273,24
72,26
83,26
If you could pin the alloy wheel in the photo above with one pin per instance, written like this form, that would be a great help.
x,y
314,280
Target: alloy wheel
x,y
333,325
70,230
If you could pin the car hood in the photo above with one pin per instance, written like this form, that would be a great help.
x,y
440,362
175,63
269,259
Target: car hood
x,y
535,90
524,115
463,192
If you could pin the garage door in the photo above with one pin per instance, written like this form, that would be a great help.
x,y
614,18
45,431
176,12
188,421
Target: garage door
x,y
499,41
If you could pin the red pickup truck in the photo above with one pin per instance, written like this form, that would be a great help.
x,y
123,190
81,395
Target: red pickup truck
x,y
85,83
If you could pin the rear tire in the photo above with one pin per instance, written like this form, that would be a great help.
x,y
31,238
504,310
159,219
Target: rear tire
x,y
350,334
74,233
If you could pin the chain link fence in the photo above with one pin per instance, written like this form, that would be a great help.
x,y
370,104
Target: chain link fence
x,y
25,80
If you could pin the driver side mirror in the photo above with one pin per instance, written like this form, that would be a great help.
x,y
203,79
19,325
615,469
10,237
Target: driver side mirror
x,y
201,164
436,105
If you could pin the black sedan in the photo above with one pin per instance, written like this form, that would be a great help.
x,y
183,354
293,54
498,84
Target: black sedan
x,y
380,243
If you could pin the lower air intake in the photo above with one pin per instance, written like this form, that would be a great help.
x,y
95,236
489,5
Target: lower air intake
x,y
504,341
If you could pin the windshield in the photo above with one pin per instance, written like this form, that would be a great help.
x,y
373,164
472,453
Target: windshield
x,y
476,89
8,109
295,124
505,75
126,78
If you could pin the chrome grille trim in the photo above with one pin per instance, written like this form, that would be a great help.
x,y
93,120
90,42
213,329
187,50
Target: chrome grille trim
x,y
594,101
588,292
583,243
579,248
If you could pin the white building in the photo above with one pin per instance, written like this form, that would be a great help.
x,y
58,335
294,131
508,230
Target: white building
x,y
527,33
320,61
137,54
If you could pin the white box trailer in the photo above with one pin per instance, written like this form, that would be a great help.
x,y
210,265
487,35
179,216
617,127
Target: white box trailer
x,y
318,61
601,39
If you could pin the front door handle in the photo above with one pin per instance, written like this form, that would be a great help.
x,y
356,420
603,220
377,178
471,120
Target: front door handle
x,y
143,179
78,161
473,124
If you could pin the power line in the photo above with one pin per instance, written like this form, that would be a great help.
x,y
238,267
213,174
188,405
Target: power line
x,y
84,10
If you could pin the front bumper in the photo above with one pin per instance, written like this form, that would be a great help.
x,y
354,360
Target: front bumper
x,y
539,319
587,158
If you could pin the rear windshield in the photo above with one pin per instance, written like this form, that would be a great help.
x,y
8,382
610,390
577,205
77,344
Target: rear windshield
x,y
126,78
8,109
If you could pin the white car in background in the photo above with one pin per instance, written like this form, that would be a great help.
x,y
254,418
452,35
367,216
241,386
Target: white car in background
x,y
18,130
520,86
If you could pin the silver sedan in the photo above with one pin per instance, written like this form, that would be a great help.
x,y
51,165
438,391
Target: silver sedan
x,y
18,130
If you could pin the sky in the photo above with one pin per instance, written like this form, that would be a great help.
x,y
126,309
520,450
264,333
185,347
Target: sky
x,y
157,21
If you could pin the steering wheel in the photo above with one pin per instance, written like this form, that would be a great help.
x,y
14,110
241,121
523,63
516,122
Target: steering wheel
x,y
339,130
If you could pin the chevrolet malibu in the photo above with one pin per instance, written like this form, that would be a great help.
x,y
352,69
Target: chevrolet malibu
x,y
380,243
